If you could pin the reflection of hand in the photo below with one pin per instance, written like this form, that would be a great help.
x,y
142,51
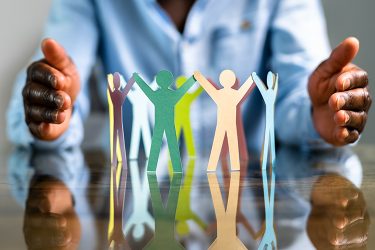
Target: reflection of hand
x,y
339,96
339,216
50,221
52,86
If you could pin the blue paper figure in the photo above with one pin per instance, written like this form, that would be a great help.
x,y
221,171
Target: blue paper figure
x,y
269,238
269,94
140,217
164,100
140,123
164,237
116,98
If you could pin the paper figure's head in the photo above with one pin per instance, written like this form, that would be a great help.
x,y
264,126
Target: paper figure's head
x,y
180,81
117,80
139,231
164,79
227,78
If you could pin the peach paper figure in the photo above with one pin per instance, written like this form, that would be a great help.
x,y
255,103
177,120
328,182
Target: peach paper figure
x,y
227,99
182,116
116,97
269,94
164,100
226,217
141,122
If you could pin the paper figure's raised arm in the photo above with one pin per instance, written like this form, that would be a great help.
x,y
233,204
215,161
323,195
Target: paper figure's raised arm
x,y
126,86
260,84
197,92
207,85
144,86
276,84
181,91
246,88
110,85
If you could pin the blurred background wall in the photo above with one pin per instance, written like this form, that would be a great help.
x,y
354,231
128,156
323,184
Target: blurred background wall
x,y
21,25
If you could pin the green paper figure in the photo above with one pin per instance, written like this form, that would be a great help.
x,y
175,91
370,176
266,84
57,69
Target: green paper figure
x,y
164,216
164,100
182,118
184,212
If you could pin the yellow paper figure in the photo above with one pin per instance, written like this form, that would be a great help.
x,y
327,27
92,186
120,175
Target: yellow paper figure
x,y
184,212
182,116
116,238
227,99
225,217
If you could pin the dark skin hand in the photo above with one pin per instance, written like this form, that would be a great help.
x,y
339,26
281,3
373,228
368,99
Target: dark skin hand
x,y
50,220
339,218
340,96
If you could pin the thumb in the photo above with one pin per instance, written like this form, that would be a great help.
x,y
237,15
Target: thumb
x,y
342,55
56,56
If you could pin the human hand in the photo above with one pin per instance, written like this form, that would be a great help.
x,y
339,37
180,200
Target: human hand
x,y
52,86
339,218
339,95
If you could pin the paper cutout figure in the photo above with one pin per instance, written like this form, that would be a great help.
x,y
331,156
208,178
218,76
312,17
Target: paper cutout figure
x,y
182,116
116,97
140,123
140,217
116,238
242,144
225,217
164,237
269,94
164,100
184,212
269,238
227,100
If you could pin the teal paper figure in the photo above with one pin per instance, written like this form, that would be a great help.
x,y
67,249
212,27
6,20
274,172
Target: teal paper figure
x,y
141,123
164,237
182,118
116,98
269,94
140,217
269,237
164,100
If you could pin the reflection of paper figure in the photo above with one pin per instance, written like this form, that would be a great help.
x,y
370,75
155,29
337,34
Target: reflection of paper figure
x,y
227,100
184,212
116,238
141,123
164,237
225,217
182,116
140,217
269,237
269,94
116,97
164,99
242,144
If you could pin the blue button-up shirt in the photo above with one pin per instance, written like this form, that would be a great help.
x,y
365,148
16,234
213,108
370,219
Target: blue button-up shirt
x,y
287,37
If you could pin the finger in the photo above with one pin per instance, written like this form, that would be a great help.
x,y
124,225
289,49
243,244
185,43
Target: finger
x,y
351,119
41,72
356,100
342,55
56,56
38,94
38,114
47,239
353,79
52,221
344,136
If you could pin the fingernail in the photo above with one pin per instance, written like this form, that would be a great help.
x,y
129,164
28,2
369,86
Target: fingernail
x,y
346,83
59,101
340,102
346,118
346,133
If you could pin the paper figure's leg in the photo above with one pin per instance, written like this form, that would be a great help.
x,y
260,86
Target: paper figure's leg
x,y
216,148
244,153
157,140
115,148
189,139
135,139
273,144
146,136
233,149
173,149
265,147
122,147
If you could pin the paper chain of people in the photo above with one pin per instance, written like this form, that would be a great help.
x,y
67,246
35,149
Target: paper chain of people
x,y
172,116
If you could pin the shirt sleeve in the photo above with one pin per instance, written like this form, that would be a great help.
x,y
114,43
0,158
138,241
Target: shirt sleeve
x,y
299,43
73,24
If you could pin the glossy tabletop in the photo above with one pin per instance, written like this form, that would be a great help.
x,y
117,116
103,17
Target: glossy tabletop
x,y
323,199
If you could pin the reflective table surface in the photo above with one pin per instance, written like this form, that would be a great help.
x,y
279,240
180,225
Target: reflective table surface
x,y
323,199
